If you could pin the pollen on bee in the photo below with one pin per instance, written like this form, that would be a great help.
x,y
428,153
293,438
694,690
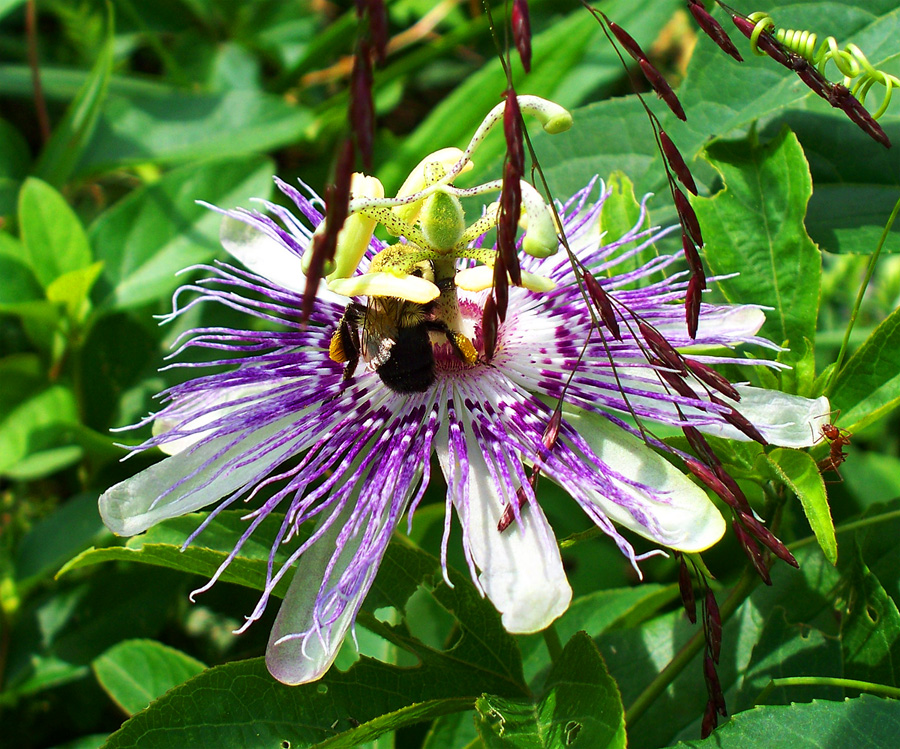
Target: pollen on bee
x,y
336,350
464,347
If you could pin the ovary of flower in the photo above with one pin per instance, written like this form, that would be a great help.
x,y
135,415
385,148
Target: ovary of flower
x,y
443,221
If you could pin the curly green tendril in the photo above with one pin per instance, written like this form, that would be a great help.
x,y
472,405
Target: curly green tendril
x,y
859,74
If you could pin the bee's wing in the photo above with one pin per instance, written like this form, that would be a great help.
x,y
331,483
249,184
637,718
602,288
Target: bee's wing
x,y
378,333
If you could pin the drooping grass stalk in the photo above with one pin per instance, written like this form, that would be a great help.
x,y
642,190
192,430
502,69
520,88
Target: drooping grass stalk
x,y
691,648
40,103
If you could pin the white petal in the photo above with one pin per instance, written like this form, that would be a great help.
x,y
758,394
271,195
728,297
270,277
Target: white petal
x,y
130,507
216,405
739,322
783,419
296,654
481,277
521,570
736,324
262,255
678,513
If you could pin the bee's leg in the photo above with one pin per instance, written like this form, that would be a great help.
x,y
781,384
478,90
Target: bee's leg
x,y
461,345
344,346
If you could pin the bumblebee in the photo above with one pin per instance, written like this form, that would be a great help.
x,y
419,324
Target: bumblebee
x,y
394,336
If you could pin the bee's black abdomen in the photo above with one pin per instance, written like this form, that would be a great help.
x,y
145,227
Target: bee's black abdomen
x,y
410,366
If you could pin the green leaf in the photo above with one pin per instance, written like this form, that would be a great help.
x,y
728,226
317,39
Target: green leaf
x,y
636,655
595,614
62,84
68,530
159,229
56,636
870,632
35,436
419,712
54,240
161,546
580,706
852,218
621,209
872,477
486,651
619,215
20,378
117,352
71,289
19,284
848,626
136,672
868,386
798,470
865,722
170,126
452,732
73,132
224,705
877,541
778,652
856,182
481,658
724,98
43,322
609,136
9,5
345,707
755,227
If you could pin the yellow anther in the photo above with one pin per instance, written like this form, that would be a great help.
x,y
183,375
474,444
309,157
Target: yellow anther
x,y
354,237
410,288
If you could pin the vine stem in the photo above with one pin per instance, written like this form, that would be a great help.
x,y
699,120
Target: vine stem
x,y
827,681
870,269
749,580
847,527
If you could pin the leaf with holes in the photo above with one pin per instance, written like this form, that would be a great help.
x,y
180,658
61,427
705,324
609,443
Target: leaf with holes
x,y
581,706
